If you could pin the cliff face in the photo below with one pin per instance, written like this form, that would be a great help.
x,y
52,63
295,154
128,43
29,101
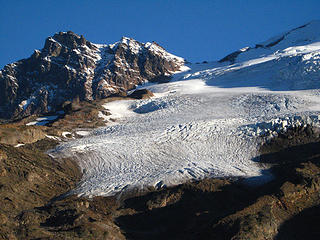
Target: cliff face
x,y
71,67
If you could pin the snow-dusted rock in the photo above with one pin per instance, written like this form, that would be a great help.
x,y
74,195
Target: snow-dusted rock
x,y
71,67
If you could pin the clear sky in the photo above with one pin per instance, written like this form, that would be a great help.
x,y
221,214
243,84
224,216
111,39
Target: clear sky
x,y
197,30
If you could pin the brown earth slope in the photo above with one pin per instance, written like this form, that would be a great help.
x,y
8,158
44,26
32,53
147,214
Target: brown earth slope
x,y
33,205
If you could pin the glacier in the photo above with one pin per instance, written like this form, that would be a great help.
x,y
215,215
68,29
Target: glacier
x,y
206,122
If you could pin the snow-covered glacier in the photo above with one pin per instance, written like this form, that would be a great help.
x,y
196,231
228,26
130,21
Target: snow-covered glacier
x,y
201,124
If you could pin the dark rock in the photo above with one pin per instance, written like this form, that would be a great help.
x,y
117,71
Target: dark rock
x,y
231,57
141,94
67,106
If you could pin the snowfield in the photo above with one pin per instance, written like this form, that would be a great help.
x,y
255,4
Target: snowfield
x,y
206,122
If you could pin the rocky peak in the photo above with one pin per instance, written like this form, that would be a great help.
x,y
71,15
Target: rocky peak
x,y
64,41
69,39
69,66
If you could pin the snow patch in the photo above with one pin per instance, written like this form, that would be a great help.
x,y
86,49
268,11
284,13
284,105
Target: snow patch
x,y
19,145
53,137
65,134
47,118
83,133
41,121
118,109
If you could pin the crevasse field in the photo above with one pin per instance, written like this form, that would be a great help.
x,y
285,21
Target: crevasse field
x,y
206,122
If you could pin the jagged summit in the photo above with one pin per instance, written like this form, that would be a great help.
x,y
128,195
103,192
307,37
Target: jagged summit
x,y
69,66
68,39
302,35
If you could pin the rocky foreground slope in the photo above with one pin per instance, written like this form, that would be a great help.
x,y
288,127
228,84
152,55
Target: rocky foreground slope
x,y
33,205
70,67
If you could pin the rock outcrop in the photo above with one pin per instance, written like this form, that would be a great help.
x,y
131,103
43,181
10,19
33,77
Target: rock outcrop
x,y
70,67
141,94
13,135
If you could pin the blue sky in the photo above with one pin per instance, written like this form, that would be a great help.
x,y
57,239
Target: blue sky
x,y
196,30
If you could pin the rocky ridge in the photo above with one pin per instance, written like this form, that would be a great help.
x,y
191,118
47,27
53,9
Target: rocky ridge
x,y
70,67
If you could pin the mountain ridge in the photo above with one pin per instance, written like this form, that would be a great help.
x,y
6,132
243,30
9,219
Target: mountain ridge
x,y
311,29
70,67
